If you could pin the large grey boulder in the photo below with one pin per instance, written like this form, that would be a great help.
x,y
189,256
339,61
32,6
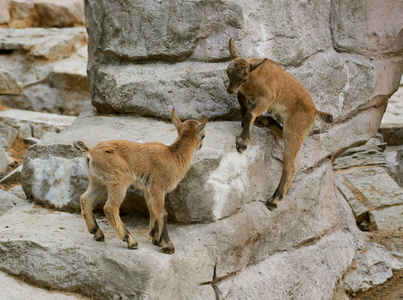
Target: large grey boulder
x,y
220,178
148,71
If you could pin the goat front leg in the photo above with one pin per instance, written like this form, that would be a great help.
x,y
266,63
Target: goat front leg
x,y
256,110
112,206
243,103
94,192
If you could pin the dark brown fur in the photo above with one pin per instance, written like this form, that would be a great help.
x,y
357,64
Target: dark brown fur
x,y
152,167
267,87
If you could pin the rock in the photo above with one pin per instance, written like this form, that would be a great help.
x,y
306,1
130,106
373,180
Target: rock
x,y
391,126
320,260
8,85
13,177
7,201
49,44
8,136
369,154
357,27
229,246
372,187
35,124
394,158
373,265
18,191
15,289
389,218
54,13
46,13
4,13
23,14
227,175
133,66
56,59
363,178
4,160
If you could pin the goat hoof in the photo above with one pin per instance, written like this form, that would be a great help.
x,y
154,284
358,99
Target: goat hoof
x,y
241,145
133,245
271,205
167,247
155,242
99,236
168,250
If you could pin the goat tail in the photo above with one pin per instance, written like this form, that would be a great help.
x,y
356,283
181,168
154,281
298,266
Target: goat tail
x,y
327,117
81,146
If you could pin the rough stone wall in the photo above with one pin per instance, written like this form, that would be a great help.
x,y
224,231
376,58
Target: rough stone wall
x,y
147,57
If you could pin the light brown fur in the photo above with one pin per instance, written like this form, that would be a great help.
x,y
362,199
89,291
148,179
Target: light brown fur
x,y
155,168
267,87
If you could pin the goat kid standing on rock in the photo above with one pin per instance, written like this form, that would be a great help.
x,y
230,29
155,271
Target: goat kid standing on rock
x,y
155,168
267,87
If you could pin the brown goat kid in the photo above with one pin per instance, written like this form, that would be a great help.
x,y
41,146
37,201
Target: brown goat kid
x,y
155,168
264,86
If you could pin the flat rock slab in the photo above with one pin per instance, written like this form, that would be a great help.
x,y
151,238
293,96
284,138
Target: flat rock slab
x,y
13,289
390,218
54,250
50,44
372,186
35,124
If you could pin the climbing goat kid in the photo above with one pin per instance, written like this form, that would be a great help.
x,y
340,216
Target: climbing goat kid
x,y
155,168
267,87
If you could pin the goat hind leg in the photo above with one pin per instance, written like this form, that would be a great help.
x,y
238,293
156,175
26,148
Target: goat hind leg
x,y
153,225
293,140
112,206
87,200
157,205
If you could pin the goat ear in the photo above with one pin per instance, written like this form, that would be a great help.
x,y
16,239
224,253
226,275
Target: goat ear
x,y
232,50
201,126
255,65
175,120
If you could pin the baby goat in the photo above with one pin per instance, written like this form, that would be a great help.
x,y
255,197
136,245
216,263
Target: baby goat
x,y
267,87
155,168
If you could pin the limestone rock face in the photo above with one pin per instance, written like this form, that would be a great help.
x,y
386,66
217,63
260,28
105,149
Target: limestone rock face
x,y
147,57
44,69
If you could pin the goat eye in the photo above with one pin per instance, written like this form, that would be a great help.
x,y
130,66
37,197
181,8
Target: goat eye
x,y
243,80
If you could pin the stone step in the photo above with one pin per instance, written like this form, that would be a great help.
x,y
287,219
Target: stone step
x,y
34,124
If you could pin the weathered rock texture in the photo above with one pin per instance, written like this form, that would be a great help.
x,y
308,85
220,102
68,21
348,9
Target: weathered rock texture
x,y
44,69
362,176
145,58
42,13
